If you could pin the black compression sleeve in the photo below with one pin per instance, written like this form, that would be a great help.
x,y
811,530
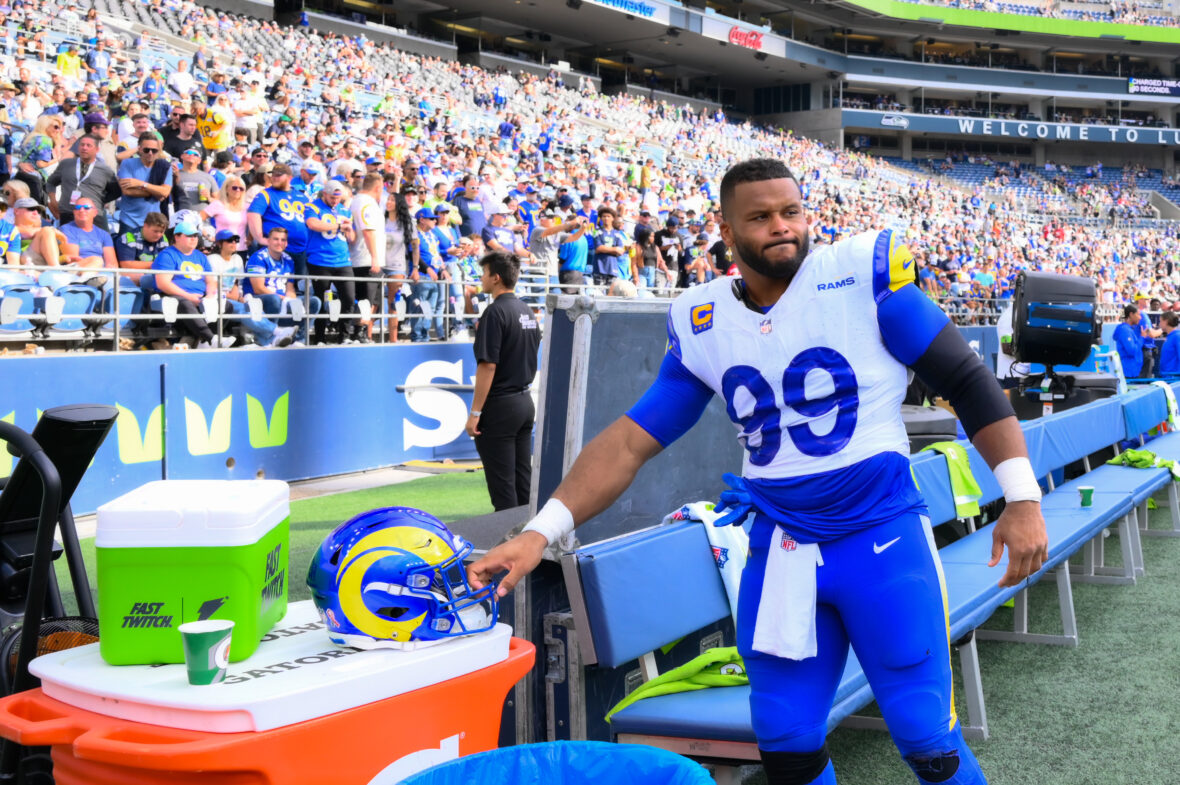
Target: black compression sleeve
x,y
951,369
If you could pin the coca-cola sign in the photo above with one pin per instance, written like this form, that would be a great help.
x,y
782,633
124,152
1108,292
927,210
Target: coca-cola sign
x,y
747,38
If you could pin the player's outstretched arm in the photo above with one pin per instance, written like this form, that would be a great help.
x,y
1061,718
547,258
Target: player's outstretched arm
x,y
1021,527
921,336
603,470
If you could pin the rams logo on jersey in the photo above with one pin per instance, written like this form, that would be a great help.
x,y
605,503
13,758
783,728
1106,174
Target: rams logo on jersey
x,y
849,281
702,318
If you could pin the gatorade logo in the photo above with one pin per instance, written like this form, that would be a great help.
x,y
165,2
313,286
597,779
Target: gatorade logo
x,y
448,750
221,654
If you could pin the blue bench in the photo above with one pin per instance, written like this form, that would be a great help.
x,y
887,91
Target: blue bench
x,y
624,608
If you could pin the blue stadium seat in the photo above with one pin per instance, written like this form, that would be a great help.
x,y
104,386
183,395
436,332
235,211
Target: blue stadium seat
x,y
23,294
79,302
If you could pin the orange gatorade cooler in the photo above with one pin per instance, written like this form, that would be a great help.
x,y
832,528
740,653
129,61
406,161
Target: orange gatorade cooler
x,y
300,711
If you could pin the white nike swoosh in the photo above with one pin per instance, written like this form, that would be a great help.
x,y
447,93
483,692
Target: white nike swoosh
x,y
879,548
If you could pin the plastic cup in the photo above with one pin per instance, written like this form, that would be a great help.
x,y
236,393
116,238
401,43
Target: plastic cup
x,y
1086,492
206,649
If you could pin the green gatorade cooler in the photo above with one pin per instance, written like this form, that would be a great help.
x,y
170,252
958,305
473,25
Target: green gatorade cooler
x,y
175,551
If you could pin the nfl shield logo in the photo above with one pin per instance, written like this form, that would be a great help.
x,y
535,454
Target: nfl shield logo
x,y
720,555
787,544
765,326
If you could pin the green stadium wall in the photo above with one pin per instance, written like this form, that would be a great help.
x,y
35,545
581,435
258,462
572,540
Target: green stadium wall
x,y
1029,24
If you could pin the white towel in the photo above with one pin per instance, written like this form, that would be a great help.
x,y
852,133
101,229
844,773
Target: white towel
x,y
786,612
730,544
1171,399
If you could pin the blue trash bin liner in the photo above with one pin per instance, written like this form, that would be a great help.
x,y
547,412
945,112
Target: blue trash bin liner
x,y
568,763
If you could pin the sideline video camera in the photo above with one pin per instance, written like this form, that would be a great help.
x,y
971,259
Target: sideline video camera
x,y
1054,322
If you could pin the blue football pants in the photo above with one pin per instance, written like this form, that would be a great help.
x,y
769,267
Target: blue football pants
x,y
881,590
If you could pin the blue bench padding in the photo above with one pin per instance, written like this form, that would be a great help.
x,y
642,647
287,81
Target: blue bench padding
x,y
695,598
931,476
1166,446
1138,484
973,593
1071,435
723,713
1143,409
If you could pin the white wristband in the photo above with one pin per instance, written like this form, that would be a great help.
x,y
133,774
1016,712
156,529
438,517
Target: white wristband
x,y
553,522
1017,480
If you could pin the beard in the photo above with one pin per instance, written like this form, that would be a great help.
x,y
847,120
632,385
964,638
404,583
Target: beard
x,y
757,260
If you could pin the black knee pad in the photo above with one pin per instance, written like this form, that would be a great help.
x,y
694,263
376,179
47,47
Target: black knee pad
x,y
793,768
939,767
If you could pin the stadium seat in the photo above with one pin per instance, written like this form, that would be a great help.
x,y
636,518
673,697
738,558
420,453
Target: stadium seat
x,y
130,302
17,307
77,303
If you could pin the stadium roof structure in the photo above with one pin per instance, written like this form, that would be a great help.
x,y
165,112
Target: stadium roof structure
x,y
604,32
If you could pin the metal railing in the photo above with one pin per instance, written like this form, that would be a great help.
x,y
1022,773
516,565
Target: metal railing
x,y
102,325
399,301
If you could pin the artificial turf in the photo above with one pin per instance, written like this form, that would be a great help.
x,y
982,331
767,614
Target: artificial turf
x,y
1103,713
448,496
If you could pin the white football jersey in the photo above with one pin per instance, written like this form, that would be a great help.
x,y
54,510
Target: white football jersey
x,y
810,385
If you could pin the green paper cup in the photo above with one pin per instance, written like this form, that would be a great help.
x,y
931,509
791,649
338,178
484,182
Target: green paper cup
x,y
206,649
1086,492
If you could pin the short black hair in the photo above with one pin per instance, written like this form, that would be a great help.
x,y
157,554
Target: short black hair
x,y
505,265
1129,309
754,170
1171,319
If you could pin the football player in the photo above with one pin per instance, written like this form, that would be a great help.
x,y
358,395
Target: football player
x,y
812,354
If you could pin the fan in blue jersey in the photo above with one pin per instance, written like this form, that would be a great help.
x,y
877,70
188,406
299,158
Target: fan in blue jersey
x,y
268,277
279,205
811,354
329,231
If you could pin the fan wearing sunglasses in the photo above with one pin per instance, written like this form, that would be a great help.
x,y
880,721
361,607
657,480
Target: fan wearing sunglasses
x,y
40,151
227,212
87,246
145,181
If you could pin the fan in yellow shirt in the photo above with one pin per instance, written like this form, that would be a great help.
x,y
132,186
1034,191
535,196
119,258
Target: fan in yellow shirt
x,y
69,64
215,123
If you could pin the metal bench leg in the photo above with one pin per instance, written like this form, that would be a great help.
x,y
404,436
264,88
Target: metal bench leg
x,y
975,727
1086,568
1136,542
1174,508
1123,575
861,722
1020,633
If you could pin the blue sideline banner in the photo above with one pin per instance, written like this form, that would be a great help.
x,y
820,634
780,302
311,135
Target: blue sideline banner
x,y
285,415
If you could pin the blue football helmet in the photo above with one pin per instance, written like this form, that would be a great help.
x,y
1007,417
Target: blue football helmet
x,y
394,578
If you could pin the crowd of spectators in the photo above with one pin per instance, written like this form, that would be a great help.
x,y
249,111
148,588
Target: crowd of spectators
x,y
207,187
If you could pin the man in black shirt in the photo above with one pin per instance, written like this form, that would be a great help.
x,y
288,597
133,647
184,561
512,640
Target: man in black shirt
x,y
501,421
719,258
668,239
186,137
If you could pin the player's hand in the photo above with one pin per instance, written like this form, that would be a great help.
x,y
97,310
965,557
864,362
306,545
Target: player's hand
x,y
519,556
1022,529
736,499
472,426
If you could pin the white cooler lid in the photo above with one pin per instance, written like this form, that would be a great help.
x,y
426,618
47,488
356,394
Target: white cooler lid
x,y
297,674
193,513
